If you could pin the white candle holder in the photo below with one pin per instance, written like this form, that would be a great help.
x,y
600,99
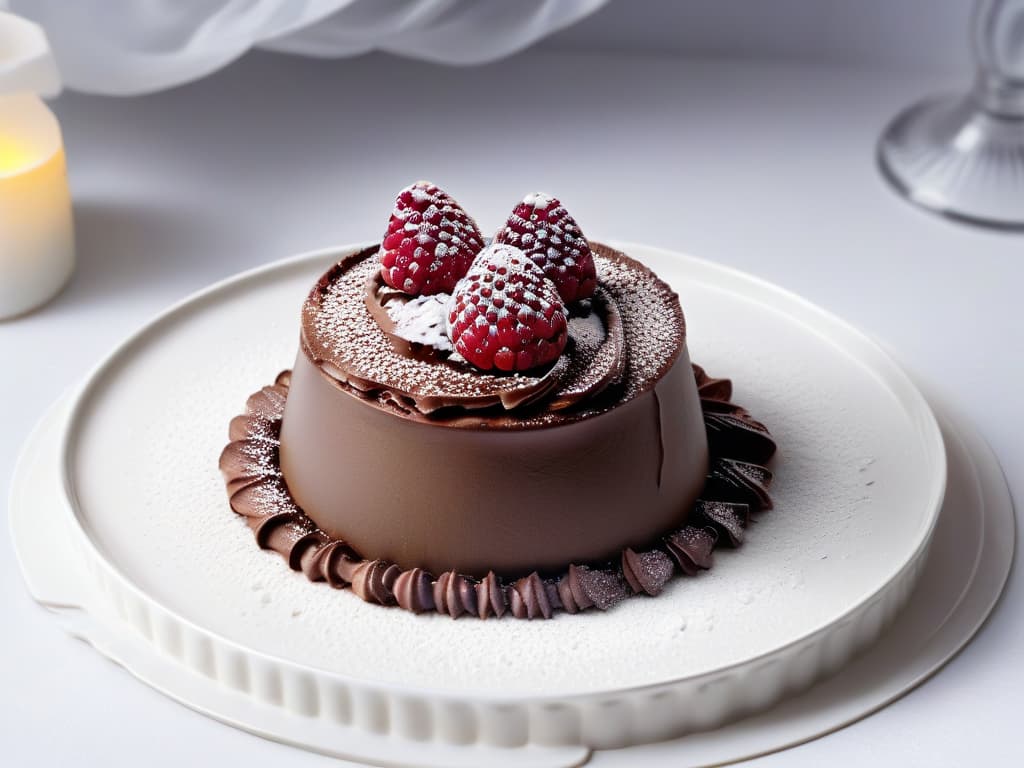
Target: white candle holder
x,y
36,234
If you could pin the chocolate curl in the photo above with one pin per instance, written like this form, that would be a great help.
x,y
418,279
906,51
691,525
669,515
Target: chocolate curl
x,y
240,429
574,582
710,388
727,519
554,599
738,438
345,567
528,598
646,571
243,462
414,590
254,427
260,498
289,534
440,595
454,595
565,593
268,403
282,529
691,548
284,379
490,597
740,483
323,564
516,604
722,406
460,591
300,548
600,588
373,581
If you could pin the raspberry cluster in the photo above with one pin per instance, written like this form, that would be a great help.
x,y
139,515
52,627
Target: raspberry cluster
x,y
508,305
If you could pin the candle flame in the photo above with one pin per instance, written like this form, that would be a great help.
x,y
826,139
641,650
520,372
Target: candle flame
x,y
13,156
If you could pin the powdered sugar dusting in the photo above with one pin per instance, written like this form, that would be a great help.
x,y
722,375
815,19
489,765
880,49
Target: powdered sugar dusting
x,y
538,199
652,320
346,335
421,320
591,356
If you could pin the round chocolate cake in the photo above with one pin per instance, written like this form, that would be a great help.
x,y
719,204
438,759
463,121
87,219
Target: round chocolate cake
x,y
476,428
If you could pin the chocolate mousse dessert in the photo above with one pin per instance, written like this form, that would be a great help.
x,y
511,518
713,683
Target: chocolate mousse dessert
x,y
512,427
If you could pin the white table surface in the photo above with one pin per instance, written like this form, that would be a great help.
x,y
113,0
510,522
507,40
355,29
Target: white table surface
x,y
765,167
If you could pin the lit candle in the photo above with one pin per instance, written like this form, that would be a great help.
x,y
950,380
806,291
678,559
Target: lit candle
x,y
36,242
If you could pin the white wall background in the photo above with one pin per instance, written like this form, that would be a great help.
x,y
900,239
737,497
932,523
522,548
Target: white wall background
x,y
915,35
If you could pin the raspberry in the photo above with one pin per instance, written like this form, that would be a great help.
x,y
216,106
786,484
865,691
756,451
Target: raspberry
x,y
505,314
545,232
430,242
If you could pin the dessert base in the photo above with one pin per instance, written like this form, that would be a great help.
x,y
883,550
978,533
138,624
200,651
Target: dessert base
x,y
143,512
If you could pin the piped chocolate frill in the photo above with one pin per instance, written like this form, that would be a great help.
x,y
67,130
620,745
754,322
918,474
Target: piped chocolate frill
x,y
737,486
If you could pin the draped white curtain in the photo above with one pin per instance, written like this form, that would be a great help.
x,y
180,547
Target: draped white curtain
x,y
126,47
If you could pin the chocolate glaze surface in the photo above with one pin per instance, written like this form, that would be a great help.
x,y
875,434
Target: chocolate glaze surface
x,y
421,462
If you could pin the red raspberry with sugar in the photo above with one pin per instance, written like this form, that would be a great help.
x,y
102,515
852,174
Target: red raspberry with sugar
x,y
545,231
430,242
505,314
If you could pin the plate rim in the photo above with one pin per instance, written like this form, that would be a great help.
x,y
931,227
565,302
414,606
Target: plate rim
x,y
925,420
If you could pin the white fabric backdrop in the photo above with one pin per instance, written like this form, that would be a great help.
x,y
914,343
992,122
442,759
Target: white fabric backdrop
x,y
125,47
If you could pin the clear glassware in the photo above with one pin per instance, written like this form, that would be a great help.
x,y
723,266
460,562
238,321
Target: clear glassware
x,y
963,155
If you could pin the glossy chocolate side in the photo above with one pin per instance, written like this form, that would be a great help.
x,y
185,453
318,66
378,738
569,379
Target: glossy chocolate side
x,y
474,500
475,489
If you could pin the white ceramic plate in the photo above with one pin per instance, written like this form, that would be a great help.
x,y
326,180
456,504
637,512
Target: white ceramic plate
x,y
861,474
968,561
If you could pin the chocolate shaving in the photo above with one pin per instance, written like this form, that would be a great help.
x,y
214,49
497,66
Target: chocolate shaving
x,y
565,596
325,563
691,548
712,389
267,403
647,571
283,533
440,595
455,595
603,364
739,482
727,519
374,580
528,598
731,435
414,590
243,426
722,406
461,591
602,588
554,599
490,597
248,461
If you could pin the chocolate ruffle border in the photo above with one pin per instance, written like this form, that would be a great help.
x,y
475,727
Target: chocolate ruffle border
x,y
737,486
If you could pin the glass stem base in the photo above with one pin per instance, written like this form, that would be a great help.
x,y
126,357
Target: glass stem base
x,y
957,156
